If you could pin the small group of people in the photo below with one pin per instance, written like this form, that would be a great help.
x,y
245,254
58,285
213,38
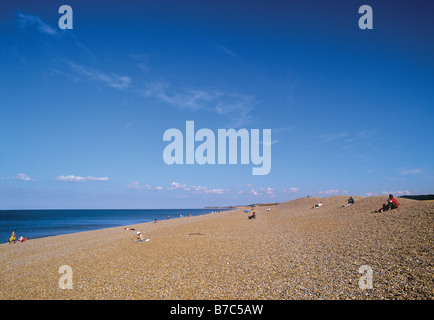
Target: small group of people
x,y
391,204
12,238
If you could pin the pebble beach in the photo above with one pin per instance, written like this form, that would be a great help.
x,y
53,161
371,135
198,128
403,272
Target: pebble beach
x,y
293,251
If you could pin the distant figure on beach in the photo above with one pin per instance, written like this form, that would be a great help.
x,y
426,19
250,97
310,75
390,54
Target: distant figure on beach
x,y
22,239
350,201
316,205
140,236
391,204
12,238
268,209
155,220
129,229
253,216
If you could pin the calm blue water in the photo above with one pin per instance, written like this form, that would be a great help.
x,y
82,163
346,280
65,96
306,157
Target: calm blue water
x,y
43,223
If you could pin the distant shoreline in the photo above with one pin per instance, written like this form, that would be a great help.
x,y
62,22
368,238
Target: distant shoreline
x,y
36,224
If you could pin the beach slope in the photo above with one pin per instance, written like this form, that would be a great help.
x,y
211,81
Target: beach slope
x,y
290,252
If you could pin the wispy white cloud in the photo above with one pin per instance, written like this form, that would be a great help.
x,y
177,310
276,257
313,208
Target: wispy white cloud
x,y
137,186
263,191
189,98
182,188
30,21
90,178
206,190
332,192
195,189
411,171
177,185
399,192
236,106
134,185
333,136
224,50
111,80
22,177
142,61
268,190
255,192
73,178
265,143
347,140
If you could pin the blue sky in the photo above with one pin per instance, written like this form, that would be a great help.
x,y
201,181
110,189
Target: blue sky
x,y
83,111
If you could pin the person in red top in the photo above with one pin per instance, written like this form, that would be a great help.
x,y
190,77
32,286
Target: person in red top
x,y
391,204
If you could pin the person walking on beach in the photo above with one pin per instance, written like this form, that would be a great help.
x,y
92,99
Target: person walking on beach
x,y
12,238
391,204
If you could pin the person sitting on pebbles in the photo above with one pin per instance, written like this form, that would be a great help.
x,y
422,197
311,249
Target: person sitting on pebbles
x,y
140,236
350,201
391,204
253,216
12,238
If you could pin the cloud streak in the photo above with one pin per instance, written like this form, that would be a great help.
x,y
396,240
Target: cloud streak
x,y
411,171
22,177
332,192
73,178
224,50
111,80
399,192
26,21
235,106
333,136
232,105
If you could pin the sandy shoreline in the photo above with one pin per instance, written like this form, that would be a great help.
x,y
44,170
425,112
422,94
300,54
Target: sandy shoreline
x,y
292,252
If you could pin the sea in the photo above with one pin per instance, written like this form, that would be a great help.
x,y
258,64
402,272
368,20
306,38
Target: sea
x,y
34,224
